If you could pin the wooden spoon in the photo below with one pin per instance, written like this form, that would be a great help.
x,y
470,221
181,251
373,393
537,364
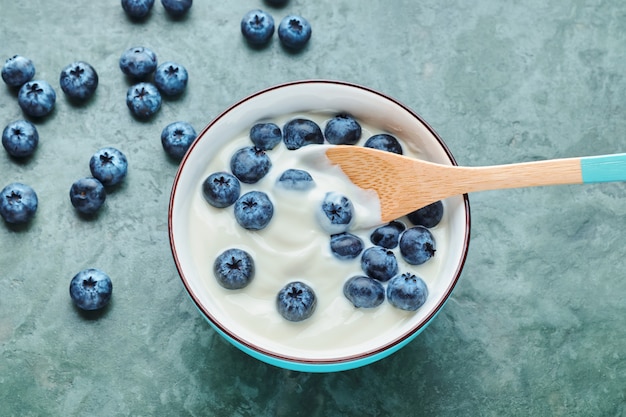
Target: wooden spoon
x,y
404,184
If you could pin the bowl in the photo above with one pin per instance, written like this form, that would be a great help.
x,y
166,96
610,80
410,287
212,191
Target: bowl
x,y
341,337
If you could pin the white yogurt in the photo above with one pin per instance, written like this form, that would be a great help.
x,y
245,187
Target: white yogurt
x,y
294,247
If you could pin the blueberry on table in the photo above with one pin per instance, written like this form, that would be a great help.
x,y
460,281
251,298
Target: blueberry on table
x,y
295,179
388,235
417,245
234,269
176,138
254,210
266,135
342,129
335,213
18,203
176,8
221,189
91,289
364,292
17,71
249,164
109,165
87,195
379,263
257,27
137,9
428,216
138,62
407,291
346,245
294,32
171,78
143,100
296,301
20,138
36,98
301,132
384,142
79,80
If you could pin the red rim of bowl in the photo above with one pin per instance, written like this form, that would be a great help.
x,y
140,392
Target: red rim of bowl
x,y
344,359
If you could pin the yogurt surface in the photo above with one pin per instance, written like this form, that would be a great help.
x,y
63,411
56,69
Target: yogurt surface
x,y
294,247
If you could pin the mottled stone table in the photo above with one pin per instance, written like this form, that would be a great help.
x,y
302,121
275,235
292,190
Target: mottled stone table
x,y
537,324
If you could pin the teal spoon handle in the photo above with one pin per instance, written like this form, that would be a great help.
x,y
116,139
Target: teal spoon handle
x,y
603,168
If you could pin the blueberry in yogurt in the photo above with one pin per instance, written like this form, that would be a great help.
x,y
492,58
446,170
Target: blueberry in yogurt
x,y
346,245
234,269
295,179
301,132
250,164
384,142
417,245
36,98
254,210
18,203
20,138
379,263
407,291
296,301
335,213
266,135
109,165
221,189
428,216
387,235
364,292
342,129
17,71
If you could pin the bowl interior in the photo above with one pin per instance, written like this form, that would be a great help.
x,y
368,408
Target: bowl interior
x,y
302,97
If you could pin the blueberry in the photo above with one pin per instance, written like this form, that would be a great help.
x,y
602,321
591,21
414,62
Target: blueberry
x,y
254,210
277,3
266,135
364,292
109,165
91,289
176,138
296,301
428,216
294,32
335,213
388,235
138,62
20,138
301,132
17,71
384,142
137,9
346,245
257,27
171,78
407,291
36,98
176,8
221,189
87,195
79,80
342,129
18,203
417,245
250,164
379,263
234,269
143,100
296,179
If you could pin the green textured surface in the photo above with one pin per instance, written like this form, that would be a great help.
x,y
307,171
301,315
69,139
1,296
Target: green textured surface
x,y
537,324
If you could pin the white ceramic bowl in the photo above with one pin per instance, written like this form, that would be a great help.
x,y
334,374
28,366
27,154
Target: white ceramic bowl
x,y
336,353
